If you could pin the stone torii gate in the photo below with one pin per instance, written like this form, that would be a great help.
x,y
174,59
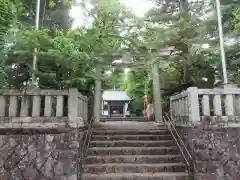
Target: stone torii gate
x,y
127,58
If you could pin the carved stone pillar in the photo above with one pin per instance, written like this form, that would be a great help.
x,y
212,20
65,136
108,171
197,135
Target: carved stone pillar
x,y
156,93
97,97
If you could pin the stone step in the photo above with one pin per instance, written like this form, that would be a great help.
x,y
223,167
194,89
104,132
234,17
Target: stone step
x,y
134,168
131,137
123,125
104,151
131,143
130,128
136,176
131,132
138,159
122,119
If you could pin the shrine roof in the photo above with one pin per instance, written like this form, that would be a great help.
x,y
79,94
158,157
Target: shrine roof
x,y
115,95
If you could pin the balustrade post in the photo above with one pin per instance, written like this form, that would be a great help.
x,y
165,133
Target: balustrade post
x,y
2,106
73,105
229,100
193,105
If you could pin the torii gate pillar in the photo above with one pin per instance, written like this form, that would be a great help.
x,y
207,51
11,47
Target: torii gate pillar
x,y
97,98
156,93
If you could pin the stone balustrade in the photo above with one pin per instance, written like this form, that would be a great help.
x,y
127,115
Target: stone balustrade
x,y
41,133
219,105
208,122
42,108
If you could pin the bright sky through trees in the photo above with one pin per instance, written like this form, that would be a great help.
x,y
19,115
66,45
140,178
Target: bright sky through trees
x,y
139,7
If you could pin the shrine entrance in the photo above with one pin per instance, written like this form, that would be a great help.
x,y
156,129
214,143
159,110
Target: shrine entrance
x,y
116,108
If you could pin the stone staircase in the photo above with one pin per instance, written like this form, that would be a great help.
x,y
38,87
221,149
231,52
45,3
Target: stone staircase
x,y
134,154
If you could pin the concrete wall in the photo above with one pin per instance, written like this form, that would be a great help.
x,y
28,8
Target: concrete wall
x,y
40,155
215,150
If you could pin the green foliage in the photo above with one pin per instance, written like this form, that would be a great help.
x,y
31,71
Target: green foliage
x,y
62,62
137,85
7,15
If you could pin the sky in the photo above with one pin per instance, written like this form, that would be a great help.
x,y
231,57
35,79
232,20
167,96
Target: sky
x,y
139,7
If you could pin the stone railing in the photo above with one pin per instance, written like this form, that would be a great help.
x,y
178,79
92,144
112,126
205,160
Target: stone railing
x,y
42,108
208,122
217,105
41,133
